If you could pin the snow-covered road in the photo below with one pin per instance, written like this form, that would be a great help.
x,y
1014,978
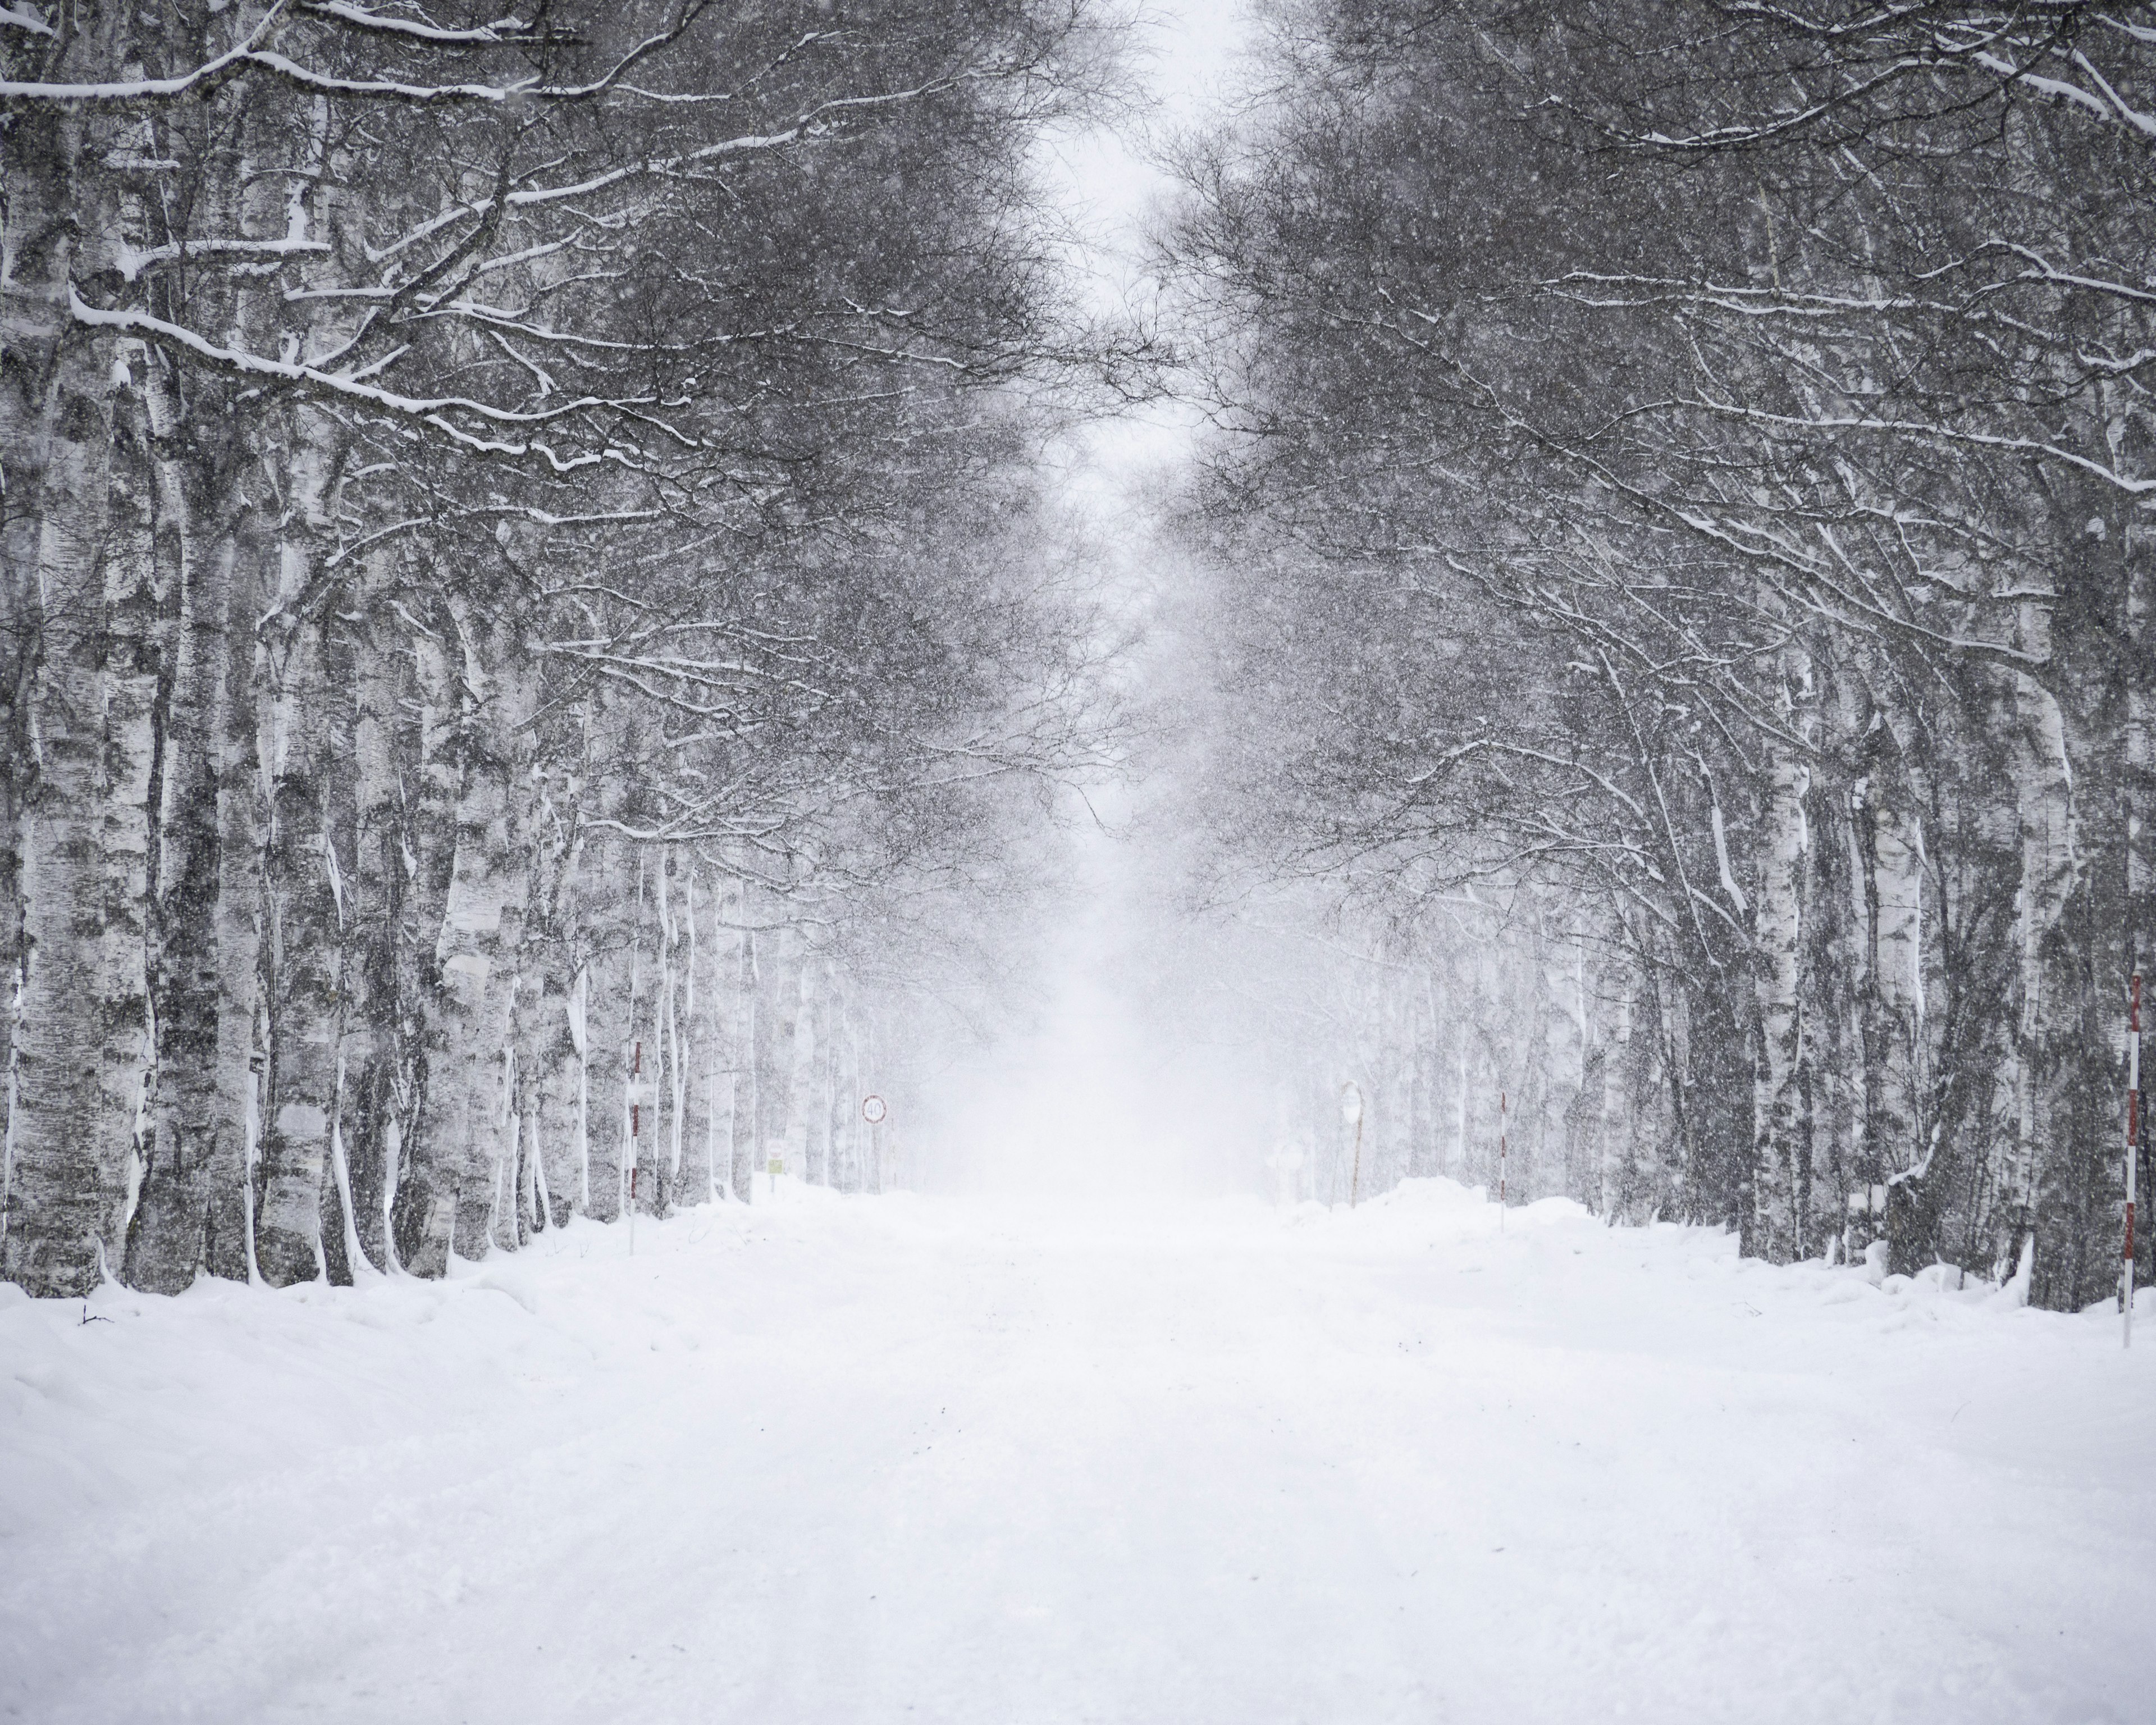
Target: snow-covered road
x,y
902,1459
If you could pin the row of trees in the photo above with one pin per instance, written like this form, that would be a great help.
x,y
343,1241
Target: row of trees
x,y
523,637
1363,1054
1684,485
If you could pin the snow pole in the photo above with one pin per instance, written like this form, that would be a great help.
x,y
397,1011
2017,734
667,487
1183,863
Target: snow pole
x,y
2133,1149
1500,1162
635,1112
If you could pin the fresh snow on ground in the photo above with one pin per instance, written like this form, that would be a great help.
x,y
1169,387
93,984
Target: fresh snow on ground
x,y
954,1461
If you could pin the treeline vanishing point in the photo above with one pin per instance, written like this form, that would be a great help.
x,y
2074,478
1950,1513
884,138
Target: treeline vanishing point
x,y
522,548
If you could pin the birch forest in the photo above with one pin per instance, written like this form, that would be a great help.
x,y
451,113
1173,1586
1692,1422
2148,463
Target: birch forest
x,y
527,637
541,658
1676,592
1077,862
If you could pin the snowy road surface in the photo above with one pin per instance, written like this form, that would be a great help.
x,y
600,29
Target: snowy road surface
x,y
903,1459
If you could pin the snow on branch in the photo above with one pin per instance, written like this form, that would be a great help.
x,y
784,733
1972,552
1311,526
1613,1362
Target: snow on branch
x,y
430,411
250,53
132,263
512,32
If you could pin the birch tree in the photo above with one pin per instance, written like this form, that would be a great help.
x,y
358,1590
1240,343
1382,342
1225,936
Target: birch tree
x,y
432,442
1688,432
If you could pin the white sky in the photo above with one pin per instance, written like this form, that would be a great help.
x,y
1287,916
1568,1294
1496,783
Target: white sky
x,y
1085,1103
1188,56
1188,50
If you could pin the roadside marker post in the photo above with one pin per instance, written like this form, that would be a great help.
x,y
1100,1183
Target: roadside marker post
x,y
873,1111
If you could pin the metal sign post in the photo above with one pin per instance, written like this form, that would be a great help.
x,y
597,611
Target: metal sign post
x,y
874,1111
1351,1111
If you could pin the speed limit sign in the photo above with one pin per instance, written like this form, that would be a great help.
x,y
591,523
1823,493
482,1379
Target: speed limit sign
x,y
873,1110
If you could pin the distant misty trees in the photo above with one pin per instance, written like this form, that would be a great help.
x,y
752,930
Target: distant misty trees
x,y
521,613
1680,564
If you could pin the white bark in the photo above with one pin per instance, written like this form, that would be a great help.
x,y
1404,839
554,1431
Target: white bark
x,y
463,1142
801,1089
580,1036
303,750
1777,937
78,503
2044,797
1895,983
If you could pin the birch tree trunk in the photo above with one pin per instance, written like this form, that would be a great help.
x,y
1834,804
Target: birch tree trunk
x,y
190,1210
1890,1008
693,1102
802,1108
639,1050
577,1010
306,748
83,583
1777,1105
610,1000
1462,1100
727,1072
82,1060
379,1061
14,758
839,1169
2136,797
778,1012
1612,1123
1422,1101
676,977
464,1136
749,1062
2044,801
199,1124
1536,1076
548,1035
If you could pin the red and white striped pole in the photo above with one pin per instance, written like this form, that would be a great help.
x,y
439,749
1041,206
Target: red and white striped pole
x,y
2132,1150
1500,1162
